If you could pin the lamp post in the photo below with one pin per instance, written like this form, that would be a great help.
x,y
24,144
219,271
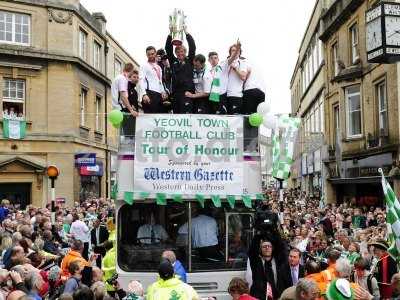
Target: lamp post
x,y
53,172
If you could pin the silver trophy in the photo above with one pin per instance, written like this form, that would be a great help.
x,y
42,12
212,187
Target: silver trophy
x,y
177,24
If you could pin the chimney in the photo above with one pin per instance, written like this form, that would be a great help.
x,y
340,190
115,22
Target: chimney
x,y
101,19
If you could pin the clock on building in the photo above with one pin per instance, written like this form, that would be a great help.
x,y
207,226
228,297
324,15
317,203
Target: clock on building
x,y
383,33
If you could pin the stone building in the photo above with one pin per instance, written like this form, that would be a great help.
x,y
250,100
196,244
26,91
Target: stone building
x,y
361,108
57,61
307,92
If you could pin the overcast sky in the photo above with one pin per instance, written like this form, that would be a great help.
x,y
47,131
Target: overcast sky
x,y
270,33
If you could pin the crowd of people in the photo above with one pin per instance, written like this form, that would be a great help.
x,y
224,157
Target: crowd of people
x,y
337,251
177,80
12,113
315,251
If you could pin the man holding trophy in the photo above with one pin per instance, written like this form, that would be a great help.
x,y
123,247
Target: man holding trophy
x,y
181,63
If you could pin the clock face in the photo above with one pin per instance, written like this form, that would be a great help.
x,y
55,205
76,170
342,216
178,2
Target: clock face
x,y
392,30
374,34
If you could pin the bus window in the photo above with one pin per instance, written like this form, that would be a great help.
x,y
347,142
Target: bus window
x,y
220,237
145,230
240,234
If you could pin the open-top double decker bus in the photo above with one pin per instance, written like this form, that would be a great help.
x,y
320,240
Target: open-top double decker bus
x,y
138,255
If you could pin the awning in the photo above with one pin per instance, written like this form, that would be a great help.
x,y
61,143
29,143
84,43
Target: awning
x,y
358,180
96,170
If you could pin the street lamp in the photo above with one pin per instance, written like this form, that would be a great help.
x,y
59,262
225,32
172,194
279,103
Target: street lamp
x,y
53,172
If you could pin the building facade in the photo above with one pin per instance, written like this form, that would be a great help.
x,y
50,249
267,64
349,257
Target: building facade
x,y
361,108
57,61
307,95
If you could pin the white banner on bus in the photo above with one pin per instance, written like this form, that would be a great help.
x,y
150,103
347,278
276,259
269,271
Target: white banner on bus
x,y
189,154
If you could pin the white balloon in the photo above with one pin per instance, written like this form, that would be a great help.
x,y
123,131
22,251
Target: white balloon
x,y
270,121
263,108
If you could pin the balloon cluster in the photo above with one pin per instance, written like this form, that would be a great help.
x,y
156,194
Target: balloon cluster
x,y
116,117
263,116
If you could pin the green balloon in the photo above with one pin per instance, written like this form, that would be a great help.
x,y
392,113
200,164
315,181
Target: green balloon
x,y
115,117
255,119
116,125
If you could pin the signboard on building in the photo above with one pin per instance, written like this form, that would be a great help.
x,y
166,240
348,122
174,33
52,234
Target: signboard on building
x,y
85,159
189,154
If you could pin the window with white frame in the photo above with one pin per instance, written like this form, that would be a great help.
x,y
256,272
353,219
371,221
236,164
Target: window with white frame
x,y
97,55
82,44
320,51
335,60
382,102
13,98
354,43
83,106
321,113
98,120
315,58
117,67
15,28
353,116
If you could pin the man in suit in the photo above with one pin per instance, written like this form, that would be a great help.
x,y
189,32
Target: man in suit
x,y
292,271
98,236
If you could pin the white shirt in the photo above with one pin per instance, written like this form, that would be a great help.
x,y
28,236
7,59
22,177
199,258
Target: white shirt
x,y
151,78
202,83
80,231
144,233
254,80
204,231
223,78
234,86
120,84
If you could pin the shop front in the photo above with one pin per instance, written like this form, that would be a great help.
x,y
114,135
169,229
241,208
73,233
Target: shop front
x,y
90,181
360,184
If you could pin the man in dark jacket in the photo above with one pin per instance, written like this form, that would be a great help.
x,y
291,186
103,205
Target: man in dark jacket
x,y
292,272
98,236
182,74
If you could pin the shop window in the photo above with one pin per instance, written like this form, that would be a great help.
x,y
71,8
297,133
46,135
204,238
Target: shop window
x,y
98,120
97,55
15,28
145,230
354,43
353,116
335,60
117,67
82,44
83,107
382,108
14,99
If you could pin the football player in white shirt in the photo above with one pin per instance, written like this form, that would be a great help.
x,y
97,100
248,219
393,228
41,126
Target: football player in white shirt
x,y
236,72
151,84
202,84
218,108
119,90
253,91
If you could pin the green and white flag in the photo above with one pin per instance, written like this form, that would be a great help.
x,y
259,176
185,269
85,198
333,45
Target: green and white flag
x,y
283,140
215,85
392,218
14,129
